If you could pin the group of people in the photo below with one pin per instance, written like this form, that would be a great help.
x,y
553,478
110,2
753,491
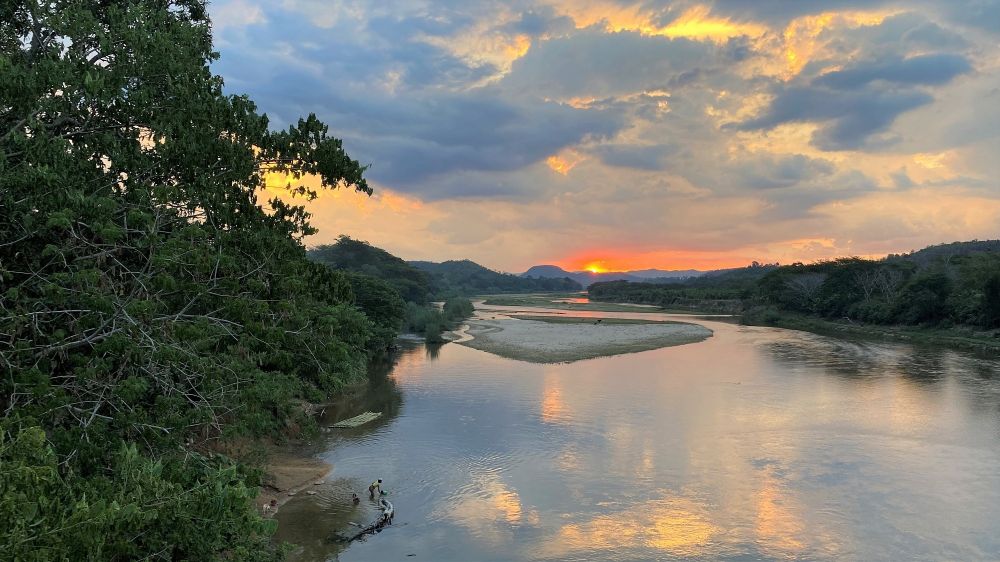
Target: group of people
x,y
387,510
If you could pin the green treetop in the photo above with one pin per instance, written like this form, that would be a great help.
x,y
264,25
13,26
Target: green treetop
x,y
151,304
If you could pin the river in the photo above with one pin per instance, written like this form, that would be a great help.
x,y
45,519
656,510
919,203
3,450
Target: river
x,y
758,443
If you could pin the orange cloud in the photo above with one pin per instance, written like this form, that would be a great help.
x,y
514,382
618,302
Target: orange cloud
x,y
802,37
695,23
698,23
564,162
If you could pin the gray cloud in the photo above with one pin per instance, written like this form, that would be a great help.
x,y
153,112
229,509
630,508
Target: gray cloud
x,y
639,157
538,22
981,14
856,105
794,204
406,106
777,172
935,69
599,64
782,11
849,119
411,141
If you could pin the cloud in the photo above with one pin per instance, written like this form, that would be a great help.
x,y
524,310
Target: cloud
x,y
780,12
416,140
237,13
640,157
927,70
787,171
980,14
854,106
410,108
539,22
514,132
594,63
849,120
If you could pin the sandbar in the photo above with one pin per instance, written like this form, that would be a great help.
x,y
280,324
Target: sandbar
x,y
573,339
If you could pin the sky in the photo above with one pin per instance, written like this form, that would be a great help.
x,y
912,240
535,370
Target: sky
x,y
631,135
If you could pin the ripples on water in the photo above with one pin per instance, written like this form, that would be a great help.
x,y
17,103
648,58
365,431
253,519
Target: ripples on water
x,y
756,444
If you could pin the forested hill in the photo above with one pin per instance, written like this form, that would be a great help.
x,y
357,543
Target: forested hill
x,y
948,251
947,285
721,291
421,281
468,278
349,254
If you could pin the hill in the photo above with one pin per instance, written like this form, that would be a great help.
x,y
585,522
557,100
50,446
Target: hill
x,y
465,277
953,286
666,273
357,256
587,278
947,251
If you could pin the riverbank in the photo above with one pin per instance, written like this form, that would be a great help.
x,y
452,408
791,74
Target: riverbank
x,y
576,302
286,475
562,339
956,338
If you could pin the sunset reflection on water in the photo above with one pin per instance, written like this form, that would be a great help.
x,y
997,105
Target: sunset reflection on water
x,y
755,444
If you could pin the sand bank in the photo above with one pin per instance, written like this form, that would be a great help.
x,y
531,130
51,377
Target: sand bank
x,y
572,339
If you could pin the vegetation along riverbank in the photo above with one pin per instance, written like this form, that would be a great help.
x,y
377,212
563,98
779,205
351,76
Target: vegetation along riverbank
x,y
947,294
159,315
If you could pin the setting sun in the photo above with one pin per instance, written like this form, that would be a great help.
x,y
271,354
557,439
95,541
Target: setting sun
x,y
595,267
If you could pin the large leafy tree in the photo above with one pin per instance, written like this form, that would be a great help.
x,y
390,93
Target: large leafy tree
x,y
152,301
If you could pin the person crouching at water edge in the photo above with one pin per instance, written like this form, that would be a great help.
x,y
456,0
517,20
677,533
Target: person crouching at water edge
x,y
376,485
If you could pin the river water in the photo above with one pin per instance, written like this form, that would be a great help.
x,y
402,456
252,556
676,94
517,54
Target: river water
x,y
757,443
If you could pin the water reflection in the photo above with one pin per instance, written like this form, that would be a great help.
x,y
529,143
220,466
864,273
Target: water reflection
x,y
756,444
488,509
669,525
433,350
554,409
778,529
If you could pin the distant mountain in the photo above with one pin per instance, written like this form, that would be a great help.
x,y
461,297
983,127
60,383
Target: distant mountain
x,y
465,277
542,271
586,278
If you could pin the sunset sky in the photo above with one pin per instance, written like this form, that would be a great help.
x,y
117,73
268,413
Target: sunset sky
x,y
631,135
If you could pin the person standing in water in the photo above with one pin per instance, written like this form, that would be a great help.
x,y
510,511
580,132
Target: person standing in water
x,y
376,485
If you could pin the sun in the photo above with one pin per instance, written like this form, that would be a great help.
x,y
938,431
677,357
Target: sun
x,y
594,267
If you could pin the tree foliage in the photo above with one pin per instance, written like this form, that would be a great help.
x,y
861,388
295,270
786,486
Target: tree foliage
x,y
432,322
361,257
151,303
949,284
382,304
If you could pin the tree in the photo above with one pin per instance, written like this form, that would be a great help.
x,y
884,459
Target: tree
x,y
991,301
382,304
361,257
151,303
